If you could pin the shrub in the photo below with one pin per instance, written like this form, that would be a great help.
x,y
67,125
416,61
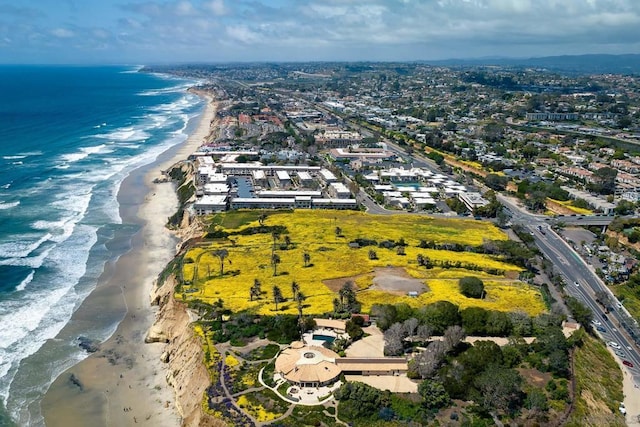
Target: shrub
x,y
471,287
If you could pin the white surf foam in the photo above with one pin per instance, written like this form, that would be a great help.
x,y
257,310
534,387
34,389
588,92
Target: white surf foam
x,y
85,152
125,134
8,205
23,285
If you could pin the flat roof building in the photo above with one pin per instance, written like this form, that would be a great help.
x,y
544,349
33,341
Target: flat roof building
x,y
209,204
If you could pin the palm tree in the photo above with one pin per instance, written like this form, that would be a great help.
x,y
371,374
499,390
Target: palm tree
x,y
277,296
275,260
255,290
287,241
338,231
222,254
295,289
306,258
262,218
276,236
300,297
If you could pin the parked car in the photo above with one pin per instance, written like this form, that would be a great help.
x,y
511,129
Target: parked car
x,y
601,329
604,316
627,363
620,353
596,322
614,344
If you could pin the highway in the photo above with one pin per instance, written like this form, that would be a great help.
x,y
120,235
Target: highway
x,y
581,282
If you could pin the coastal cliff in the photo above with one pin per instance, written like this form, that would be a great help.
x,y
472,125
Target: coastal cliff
x,y
183,356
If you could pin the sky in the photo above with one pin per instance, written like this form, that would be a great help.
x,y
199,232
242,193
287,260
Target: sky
x,y
178,31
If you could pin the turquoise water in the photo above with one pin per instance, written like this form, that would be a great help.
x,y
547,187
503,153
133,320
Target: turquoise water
x,y
325,338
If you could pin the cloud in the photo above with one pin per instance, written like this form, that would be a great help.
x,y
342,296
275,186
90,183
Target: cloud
x,y
62,33
327,29
216,7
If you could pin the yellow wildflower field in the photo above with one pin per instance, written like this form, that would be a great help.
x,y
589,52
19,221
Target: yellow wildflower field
x,y
569,205
248,258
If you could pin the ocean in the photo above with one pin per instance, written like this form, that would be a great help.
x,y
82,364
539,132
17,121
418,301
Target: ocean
x,y
68,138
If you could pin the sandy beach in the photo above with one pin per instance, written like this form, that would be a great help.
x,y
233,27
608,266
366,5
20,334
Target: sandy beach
x,y
124,382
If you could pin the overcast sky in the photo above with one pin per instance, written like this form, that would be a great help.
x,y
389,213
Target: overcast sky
x,y
154,31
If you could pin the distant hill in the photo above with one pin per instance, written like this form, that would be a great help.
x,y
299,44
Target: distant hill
x,y
575,64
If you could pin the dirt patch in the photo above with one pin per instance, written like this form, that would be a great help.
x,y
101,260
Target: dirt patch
x,y
595,406
535,377
394,280
336,284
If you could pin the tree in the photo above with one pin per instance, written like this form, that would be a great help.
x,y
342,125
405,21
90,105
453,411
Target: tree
x,y
386,315
410,326
338,231
605,180
423,333
394,340
287,241
372,254
299,299
222,254
295,288
276,236
498,324
496,182
262,218
275,260
474,320
400,250
426,363
277,296
255,290
433,394
453,336
471,287
499,388
354,330
306,258
347,298
439,316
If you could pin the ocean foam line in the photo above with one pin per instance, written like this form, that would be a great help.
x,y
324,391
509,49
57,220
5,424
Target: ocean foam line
x,y
173,89
21,248
17,157
8,205
85,152
23,285
124,134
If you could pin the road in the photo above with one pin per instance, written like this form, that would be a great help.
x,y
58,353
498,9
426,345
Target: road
x,y
575,270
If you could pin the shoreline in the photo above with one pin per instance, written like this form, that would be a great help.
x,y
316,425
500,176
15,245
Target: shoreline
x,y
123,383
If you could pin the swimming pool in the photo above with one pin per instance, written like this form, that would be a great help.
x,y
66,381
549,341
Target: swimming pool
x,y
326,338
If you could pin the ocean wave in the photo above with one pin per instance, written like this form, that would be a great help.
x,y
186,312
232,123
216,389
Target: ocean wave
x,y
85,152
8,205
125,134
16,157
173,89
23,285
19,247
